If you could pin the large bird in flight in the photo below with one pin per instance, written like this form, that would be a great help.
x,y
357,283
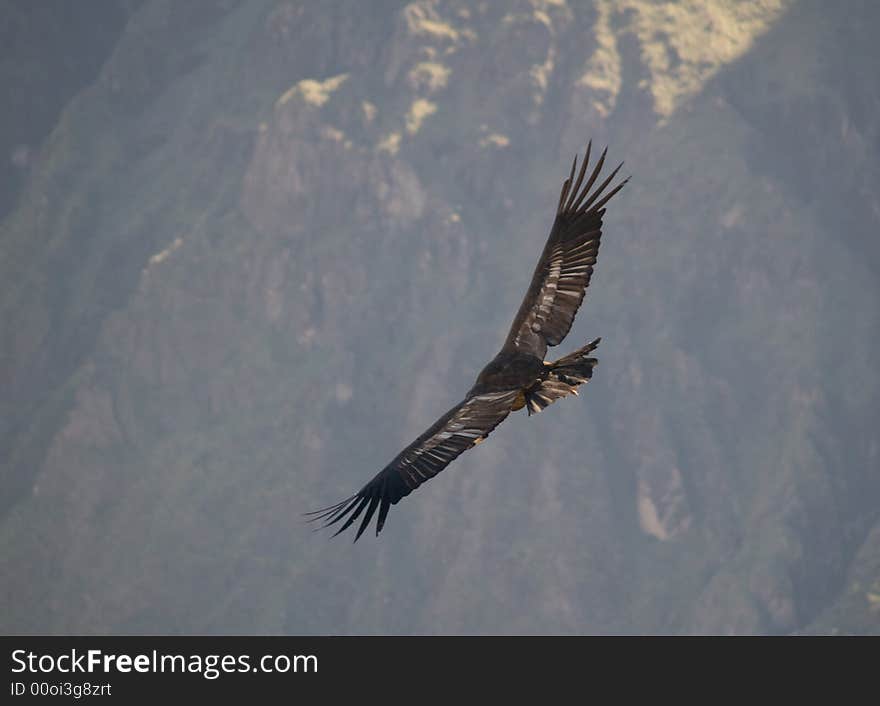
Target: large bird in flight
x,y
518,376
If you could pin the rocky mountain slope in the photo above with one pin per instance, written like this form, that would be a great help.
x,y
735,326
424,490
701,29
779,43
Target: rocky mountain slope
x,y
271,241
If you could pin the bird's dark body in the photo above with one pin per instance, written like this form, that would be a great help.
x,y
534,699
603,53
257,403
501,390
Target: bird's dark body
x,y
509,370
518,376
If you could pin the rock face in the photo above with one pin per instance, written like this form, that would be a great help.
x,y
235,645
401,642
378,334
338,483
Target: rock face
x,y
271,242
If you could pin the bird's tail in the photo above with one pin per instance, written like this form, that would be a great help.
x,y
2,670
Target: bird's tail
x,y
563,377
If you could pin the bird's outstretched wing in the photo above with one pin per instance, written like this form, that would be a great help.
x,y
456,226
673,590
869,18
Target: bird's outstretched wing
x,y
461,428
566,265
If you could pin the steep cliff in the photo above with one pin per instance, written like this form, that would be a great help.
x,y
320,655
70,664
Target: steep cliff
x,y
273,241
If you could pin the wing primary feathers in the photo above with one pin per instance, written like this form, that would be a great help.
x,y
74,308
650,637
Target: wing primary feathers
x,y
374,501
383,511
592,180
565,185
342,512
325,509
611,193
351,518
333,519
580,179
599,189
318,515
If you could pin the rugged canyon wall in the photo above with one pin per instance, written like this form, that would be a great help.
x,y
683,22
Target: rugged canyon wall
x,y
270,242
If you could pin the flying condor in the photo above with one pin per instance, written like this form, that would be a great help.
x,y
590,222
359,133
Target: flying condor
x,y
518,376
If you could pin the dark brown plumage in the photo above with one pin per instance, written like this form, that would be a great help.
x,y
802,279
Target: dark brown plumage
x,y
518,376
